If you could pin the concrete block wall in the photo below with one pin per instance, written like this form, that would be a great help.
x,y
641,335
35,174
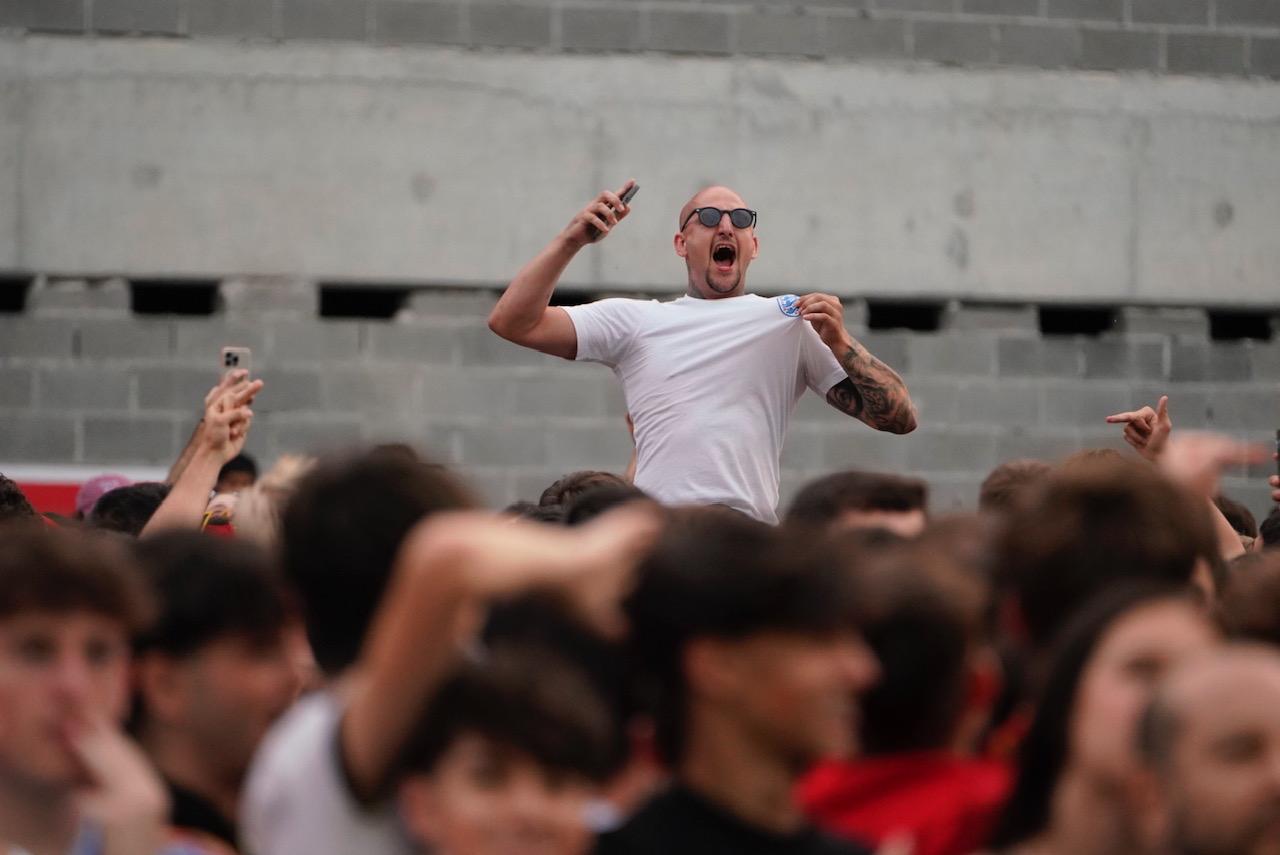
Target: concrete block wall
x,y
1200,37
83,380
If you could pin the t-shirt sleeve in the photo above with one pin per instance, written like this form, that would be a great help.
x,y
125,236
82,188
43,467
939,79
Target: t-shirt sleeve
x,y
821,368
605,328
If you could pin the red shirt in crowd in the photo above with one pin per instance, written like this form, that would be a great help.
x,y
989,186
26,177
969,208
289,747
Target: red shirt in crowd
x,y
947,804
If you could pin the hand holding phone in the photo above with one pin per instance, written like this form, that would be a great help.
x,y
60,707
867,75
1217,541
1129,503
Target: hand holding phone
x,y
233,359
601,215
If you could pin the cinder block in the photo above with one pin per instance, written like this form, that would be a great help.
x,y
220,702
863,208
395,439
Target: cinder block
x,y
174,388
137,16
1248,13
1245,409
453,394
690,32
449,304
1188,407
950,450
323,19
891,348
273,297
128,339
855,37
507,445
1000,403
309,435
199,340
853,445
28,438
424,344
976,316
379,391
480,346
495,487
802,449
1087,10
16,385
1191,12
937,401
952,355
1039,357
1123,358
954,494
314,341
1113,439
781,32
1087,405
1047,445
604,446
573,393
529,484
40,338
1119,50
52,15
1001,7
600,29
953,42
289,391
1184,323
1264,57
1039,46
231,18
1193,361
123,439
84,387
1187,53
418,23
1265,361
78,298
510,25
915,5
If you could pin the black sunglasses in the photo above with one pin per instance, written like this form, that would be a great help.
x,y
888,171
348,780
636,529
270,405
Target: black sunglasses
x,y
741,218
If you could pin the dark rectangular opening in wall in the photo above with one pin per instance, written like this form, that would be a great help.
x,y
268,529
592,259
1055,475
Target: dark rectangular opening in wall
x,y
920,317
1076,320
173,297
374,302
1233,326
571,298
13,294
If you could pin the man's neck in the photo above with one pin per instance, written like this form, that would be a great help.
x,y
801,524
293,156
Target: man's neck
x,y
40,821
740,775
182,762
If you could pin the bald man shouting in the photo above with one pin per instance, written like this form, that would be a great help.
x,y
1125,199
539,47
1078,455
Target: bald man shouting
x,y
712,377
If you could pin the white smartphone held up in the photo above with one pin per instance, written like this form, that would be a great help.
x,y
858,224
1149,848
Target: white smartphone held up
x,y
234,358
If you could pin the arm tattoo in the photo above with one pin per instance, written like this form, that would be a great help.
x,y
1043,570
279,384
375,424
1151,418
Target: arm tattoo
x,y
873,392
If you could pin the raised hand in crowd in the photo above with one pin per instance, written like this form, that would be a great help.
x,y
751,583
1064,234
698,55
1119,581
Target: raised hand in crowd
x,y
1146,429
220,436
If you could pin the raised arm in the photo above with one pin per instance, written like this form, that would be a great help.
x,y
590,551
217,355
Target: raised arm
x,y
872,392
523,314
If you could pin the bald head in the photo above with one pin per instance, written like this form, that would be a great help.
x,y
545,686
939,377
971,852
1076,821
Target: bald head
x,y
715,196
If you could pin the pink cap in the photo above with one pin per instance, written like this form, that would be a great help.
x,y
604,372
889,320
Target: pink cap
x,y
93,489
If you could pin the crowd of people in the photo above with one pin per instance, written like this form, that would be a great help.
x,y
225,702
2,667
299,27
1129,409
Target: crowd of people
x,y
350,655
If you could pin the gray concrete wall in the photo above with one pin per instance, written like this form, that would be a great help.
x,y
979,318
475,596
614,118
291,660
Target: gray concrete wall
x,y
341,161
83,380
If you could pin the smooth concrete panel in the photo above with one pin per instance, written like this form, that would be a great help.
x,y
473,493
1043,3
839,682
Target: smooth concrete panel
x,y
150,158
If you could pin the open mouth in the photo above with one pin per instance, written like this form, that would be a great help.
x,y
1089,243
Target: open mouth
x,y
724,255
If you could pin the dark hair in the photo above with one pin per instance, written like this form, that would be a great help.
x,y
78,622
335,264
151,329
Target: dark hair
x,y
68,570
1046,748
823,501
1240,517
1093,524
1269,530
239,463
922,615
340,534
127,509
1009,484
566,489
1249,607
591,503
536,513
717,574
209,588
13,502
519,700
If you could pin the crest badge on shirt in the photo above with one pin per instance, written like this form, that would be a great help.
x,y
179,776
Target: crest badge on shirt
x,y
789,305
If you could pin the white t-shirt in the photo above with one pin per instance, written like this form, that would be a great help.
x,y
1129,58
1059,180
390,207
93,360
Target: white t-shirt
x,y
297,801
710,386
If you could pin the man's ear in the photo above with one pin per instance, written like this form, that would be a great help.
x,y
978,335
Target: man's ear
x,y
161,685
682,248
755,247
708,668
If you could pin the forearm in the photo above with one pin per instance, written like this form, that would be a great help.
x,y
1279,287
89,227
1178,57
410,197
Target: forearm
x,y
179,465
188,497
522,305
875,393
